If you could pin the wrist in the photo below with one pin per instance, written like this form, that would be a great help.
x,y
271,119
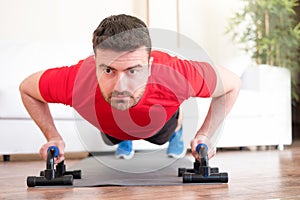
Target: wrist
x,y
202,137
201,134
51,133
54,138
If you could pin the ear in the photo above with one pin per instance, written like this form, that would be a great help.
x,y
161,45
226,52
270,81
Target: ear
x,y
150,65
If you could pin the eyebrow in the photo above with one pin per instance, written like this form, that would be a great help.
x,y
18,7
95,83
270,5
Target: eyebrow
x,y
106,66
129,68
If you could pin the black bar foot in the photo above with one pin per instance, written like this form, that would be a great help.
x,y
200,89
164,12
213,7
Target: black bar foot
x,y
6,158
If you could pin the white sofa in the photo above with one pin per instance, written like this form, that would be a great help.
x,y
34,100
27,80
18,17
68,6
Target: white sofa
x,y
261,115
18,59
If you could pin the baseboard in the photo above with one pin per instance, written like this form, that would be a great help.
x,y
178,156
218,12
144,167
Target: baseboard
x,y
36,157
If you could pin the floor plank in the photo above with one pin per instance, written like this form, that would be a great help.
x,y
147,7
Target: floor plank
x,y
269,174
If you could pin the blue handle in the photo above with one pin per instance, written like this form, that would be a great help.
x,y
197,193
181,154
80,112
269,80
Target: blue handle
x,y
56,151
199,147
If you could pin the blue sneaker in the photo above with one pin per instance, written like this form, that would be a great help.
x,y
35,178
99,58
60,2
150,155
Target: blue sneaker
x,y
176,146
125,150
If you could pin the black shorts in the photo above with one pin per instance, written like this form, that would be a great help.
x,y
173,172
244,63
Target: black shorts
x,y
161,137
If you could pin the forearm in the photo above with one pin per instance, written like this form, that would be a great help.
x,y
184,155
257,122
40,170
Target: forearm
x,y
40,113
219,108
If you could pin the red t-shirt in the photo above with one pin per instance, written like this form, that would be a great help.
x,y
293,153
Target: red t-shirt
x,y
172,81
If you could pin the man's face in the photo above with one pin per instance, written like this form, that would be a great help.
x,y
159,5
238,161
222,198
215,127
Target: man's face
x,y
122,76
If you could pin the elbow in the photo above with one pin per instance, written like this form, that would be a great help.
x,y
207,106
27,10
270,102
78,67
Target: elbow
x,y
227,83
238,84
25,86
22,87
29,86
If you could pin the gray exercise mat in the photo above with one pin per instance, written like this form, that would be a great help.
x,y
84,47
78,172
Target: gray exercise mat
x,y
146,168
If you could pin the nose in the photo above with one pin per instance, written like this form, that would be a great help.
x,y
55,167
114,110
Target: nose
x,y
121,82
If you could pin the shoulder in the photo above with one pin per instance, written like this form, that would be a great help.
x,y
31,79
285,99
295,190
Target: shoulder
x,y
70,70
160,56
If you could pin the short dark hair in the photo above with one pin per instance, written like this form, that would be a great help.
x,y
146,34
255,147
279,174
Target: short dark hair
x,y
121,33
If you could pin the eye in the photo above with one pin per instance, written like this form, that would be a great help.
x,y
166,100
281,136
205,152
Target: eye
x,y
132,71
107,70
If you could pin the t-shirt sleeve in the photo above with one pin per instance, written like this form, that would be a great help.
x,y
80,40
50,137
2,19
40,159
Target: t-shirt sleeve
x,y
56,84
203,78
185,78
200,77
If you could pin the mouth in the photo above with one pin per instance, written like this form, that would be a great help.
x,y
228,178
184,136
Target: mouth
x,y
123,96
120,97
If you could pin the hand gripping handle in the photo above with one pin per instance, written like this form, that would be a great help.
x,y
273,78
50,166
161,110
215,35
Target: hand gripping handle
x,y
52,152
54,149
202,150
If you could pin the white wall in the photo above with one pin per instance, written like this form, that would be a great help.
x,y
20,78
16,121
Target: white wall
x,y
59,19
39,34
51,33
203,21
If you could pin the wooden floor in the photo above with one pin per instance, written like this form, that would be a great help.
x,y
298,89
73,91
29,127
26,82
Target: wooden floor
x,y
263,174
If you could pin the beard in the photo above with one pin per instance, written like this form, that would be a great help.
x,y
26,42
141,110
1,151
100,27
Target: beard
x,y
123,100
122,104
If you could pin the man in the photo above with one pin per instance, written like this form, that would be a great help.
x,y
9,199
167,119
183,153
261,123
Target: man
x,y
129,92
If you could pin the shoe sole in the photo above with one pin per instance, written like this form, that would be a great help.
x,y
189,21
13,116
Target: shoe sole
x,y
172,155
126,157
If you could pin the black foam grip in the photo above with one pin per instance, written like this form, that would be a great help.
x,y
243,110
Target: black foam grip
x,y
33,181
76,174
214,178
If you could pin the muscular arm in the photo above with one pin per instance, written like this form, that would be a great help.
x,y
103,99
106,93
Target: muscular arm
x,y
39,111
223,98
